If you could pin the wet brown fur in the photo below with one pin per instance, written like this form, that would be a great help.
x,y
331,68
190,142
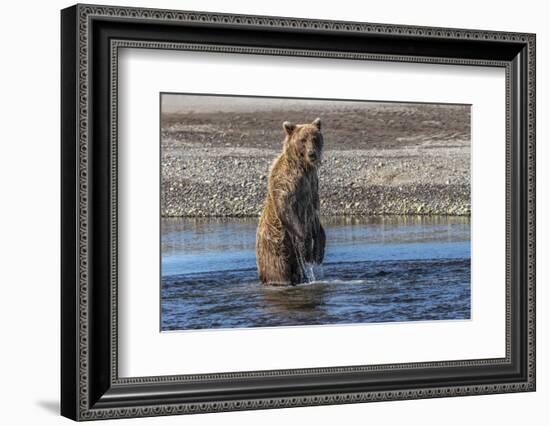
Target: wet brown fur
x,y
289,231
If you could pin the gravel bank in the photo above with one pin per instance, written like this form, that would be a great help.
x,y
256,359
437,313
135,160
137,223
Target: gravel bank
x,y
384,159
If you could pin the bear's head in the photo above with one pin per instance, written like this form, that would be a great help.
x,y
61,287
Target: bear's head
x,y
304,142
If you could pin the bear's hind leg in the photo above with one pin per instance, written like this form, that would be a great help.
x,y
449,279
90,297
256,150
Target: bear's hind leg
x,y
275,269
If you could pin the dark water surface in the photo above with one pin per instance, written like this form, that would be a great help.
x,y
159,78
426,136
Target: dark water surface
x,y
376,269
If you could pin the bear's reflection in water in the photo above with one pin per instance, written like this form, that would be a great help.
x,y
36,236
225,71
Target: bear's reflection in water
x,y
303,297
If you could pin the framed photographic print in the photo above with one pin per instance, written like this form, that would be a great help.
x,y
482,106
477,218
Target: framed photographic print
x,y
263,212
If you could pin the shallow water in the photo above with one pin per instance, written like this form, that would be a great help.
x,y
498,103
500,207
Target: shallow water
x,y
376,269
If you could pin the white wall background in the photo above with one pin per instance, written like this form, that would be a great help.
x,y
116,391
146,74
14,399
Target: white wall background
x,y
29,217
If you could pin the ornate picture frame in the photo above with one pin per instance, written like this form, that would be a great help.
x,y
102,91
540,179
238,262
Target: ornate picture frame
x,y
91,37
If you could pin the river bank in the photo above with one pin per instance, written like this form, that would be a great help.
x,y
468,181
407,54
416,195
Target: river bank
x,y
397,159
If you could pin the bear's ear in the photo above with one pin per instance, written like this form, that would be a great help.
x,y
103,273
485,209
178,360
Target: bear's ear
x,y
317,123
289,127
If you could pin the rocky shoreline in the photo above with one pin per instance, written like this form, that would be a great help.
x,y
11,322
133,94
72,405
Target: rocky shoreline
x,y
212,171
233,183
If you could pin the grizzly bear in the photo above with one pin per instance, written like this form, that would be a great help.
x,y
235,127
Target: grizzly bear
x,y
290,233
